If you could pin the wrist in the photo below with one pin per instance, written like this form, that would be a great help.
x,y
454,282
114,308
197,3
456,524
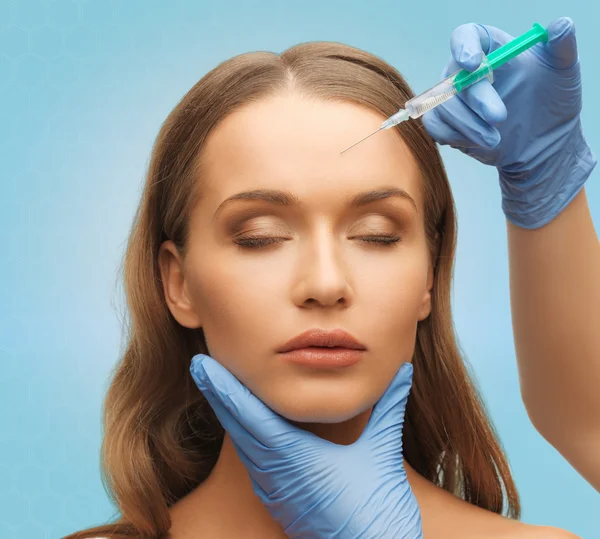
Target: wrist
x,y
533,198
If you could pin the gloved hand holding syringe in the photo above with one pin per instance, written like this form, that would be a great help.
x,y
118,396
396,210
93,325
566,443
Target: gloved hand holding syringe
x,y
453,84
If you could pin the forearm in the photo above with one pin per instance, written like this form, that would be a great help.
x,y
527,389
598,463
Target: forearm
x,y
555,302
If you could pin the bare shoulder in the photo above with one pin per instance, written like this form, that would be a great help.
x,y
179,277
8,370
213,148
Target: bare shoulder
x,y
446,515
548,532
515,529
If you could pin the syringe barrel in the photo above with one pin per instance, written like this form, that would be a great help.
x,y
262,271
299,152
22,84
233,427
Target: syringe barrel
x,y
420,104
447,88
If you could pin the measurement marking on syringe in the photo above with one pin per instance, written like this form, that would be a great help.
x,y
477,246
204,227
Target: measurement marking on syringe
x,y
428,104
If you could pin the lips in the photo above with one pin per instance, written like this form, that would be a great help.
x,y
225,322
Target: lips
x,y
322,338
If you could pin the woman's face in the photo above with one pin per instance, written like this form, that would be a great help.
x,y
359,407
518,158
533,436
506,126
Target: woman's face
x,y
321,272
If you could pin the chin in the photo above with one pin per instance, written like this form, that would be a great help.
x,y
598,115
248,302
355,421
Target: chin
x,y
319,409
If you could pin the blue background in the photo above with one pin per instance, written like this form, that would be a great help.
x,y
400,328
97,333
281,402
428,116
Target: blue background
x,y
84,87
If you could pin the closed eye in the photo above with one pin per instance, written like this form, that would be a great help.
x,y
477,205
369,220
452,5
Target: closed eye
x,y
255,242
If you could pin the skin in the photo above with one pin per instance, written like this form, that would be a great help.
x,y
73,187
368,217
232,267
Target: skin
x,y
555,301
323,275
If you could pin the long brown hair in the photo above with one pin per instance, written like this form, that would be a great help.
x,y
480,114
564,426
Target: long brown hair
x,y
161,437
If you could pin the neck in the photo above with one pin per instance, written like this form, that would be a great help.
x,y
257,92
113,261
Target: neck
x,y
225,504
229,478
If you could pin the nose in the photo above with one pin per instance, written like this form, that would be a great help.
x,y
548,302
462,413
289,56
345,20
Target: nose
x,y
324,275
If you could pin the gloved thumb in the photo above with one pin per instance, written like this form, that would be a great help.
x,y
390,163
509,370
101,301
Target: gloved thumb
x,y
561,48
252,425
388,413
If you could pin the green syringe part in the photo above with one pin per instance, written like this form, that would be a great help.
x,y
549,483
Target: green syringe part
x,y
459,80
502,55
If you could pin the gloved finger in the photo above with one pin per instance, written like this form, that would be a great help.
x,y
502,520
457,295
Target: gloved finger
x,y
388,413
482,97
239,435
442,133
260,422
469,39
250,451
458,115
561,47
467,43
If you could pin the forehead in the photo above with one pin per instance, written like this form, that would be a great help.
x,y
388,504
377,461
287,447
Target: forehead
x,y
293,142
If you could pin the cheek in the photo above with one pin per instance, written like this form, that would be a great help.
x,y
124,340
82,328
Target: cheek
x,y
391,305
396,286
235,308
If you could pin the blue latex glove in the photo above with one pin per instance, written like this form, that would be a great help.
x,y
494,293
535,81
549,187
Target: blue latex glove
x,y
312,487
526,124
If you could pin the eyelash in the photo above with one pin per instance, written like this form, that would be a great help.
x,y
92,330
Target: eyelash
x,y
256,242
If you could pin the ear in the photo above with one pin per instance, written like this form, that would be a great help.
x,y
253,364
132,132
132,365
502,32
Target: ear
x,y
175,287
425,309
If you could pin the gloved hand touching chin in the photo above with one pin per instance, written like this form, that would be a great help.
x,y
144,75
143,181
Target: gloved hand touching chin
x,y
526,124
312,487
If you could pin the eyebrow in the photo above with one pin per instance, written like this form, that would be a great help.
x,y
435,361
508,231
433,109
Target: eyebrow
x,y
285,198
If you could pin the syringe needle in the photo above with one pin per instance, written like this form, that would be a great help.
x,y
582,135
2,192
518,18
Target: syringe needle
x,y
361,140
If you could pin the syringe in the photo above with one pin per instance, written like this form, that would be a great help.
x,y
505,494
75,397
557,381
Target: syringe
x,y
450,86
